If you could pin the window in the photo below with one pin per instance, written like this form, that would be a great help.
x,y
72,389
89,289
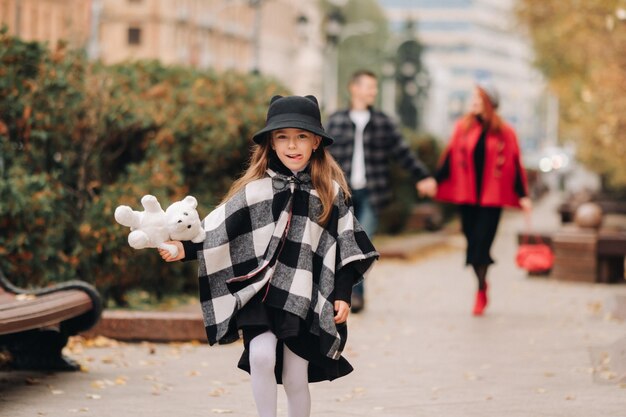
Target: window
x,y
134,36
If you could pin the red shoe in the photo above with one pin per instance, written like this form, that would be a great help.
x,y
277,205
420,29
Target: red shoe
x,y
481,302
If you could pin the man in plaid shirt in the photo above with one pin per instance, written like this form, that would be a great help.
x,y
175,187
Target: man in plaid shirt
x,y
365,140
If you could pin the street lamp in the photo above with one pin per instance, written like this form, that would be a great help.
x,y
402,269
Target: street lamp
x,y
302,23
412,79
334,24
338,31
422,81
256,36
388,86
93,46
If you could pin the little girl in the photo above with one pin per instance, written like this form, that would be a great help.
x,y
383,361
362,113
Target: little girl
x,y
280,257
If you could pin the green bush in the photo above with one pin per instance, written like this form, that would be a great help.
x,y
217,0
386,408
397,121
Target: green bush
x,y
394,217
77,139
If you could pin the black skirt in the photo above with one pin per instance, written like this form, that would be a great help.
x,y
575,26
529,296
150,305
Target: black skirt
x,y
479,226
256,318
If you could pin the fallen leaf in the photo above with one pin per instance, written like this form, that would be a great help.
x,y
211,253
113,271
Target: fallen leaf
x,y
98,384
218,392
221,411
193,373
606,359
121,380
101,341
32,381
570,397
540,391
608,375
25,297
548,374
608,317
595,307
344,398
57,392
470,376
93,396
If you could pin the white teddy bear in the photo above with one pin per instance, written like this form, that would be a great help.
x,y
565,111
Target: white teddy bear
x,y
152,227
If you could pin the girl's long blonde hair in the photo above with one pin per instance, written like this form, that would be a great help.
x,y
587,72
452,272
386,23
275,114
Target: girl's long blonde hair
x,y
324,170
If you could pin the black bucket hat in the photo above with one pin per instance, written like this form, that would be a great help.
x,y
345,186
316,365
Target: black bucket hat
x,y
293,112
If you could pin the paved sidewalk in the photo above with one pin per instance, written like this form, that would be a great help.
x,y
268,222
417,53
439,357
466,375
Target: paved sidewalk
x,y
416,350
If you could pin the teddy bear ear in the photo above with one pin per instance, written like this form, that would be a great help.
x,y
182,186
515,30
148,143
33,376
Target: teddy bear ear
x,y
276,97
312,98
191,200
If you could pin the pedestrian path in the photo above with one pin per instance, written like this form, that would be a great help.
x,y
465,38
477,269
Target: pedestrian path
x,y
416,349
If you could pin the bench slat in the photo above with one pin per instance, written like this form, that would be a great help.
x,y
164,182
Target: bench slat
x,y
15,302
44,310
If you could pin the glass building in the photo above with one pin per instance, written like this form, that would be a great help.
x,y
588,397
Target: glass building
x,y
466,41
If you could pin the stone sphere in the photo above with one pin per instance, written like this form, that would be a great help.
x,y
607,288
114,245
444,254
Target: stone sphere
x,y
588,215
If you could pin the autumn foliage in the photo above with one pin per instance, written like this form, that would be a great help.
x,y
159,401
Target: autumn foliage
x,y
580,47
77,139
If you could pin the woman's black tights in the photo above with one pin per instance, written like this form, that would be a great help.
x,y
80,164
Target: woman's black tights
x,y
481,274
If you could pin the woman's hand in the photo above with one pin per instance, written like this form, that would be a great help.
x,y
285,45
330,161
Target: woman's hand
x,y
342,309
427,187
527,204
167,257
527,207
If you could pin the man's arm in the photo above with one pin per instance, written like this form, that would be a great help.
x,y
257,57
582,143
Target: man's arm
x,y
404,155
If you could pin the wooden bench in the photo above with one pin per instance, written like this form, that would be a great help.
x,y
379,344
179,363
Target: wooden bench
x,y
36,324
567,209
611,249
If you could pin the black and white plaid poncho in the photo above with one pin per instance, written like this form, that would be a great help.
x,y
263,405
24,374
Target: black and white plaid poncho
x,y
273,216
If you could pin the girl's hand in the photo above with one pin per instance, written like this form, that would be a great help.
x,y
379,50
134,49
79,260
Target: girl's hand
x,y
167,257
342,309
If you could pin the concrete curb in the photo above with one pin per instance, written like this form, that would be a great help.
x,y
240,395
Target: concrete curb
x,y
412,246
153,326
181,326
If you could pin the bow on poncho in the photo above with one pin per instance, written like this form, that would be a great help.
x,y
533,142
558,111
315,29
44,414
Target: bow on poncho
x,y
269,233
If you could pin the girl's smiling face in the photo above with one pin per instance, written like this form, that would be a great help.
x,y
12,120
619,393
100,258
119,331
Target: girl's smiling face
x,y
294,147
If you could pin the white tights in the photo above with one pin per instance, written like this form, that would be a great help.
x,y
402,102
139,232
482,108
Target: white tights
x,y
264,387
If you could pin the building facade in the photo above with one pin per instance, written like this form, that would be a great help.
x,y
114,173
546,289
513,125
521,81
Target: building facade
x,y
47,20
264,36
466,41
274,37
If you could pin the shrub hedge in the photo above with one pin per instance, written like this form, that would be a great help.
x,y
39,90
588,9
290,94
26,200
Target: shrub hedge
x,y
77,139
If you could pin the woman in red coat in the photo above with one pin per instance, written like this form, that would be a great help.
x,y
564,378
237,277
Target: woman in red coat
x,y
481,172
